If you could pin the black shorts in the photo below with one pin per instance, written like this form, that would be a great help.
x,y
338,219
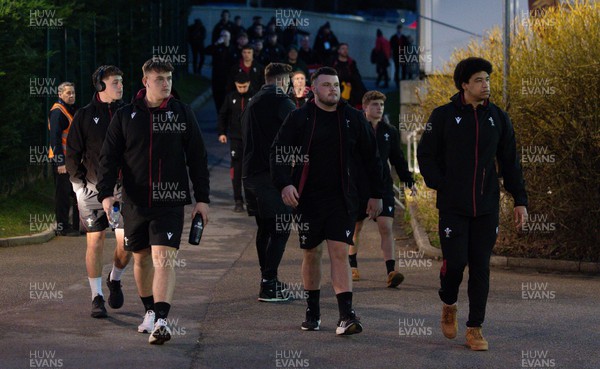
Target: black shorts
x,y
324,220
91,213
161,226
388,210
264,199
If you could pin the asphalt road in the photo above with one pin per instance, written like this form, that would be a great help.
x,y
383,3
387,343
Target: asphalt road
x,y
534,320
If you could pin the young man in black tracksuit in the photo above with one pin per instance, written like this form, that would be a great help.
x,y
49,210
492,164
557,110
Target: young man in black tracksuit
x,y
330,140
457,157
260,123
248,65
83,159
229,126
388,143
155,141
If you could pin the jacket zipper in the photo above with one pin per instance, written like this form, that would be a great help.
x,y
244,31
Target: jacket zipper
x,y
150,164
482,181
476,160
342,158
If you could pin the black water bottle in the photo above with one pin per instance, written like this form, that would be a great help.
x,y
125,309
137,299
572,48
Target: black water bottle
x,y
196,230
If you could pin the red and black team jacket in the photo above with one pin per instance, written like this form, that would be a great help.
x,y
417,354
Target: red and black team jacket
x,y
458,153
85,140
358,147
229,119
155,148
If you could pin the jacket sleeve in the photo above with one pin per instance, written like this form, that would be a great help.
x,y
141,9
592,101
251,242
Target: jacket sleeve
x,y
111,156
281,169
58,123
429,151
509,163
196,158
367,146
223,120
398,161
75,152
285,109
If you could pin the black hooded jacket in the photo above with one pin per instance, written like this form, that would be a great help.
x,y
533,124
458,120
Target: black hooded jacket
x,y
358,146
155,149
458,153
85,140
388,143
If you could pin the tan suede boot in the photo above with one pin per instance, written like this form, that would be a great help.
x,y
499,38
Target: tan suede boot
x,y
475,340
449,321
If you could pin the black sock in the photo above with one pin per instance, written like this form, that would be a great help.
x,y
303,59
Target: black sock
x,y
390,265
148,302
313,302
344,304
353,262
162,310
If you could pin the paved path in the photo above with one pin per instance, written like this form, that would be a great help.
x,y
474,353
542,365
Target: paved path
x,y
534,320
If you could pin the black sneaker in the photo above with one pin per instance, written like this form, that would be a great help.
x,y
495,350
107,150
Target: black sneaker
x,y
349,325
115,297
239,207
98,309
312,322
273,291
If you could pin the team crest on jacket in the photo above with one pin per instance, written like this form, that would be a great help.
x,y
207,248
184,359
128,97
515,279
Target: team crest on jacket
x,y
387,137
491,121
132,115
96,119
233,101
457,119
447,230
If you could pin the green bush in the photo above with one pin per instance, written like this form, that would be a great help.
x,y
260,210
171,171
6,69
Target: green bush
x,y
553,89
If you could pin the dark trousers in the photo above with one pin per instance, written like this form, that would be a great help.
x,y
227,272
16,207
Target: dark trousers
x,y
400,71
64,200
219,91
197,57
467,241
382,74
270,246
272,219
235,171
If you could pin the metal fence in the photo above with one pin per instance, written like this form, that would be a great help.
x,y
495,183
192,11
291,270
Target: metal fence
x,y
121,33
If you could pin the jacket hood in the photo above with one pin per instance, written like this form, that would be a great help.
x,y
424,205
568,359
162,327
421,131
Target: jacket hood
x,y
99,103
139,100
459,100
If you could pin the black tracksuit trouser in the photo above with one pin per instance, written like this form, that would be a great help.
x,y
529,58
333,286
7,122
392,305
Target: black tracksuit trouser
x,y
467,241
64,200
235,171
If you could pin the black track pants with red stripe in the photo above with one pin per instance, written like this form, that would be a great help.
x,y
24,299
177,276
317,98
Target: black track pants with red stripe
x,y
467,241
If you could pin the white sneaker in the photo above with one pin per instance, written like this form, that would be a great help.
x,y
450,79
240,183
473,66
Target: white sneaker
x,y
148,324
160,334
